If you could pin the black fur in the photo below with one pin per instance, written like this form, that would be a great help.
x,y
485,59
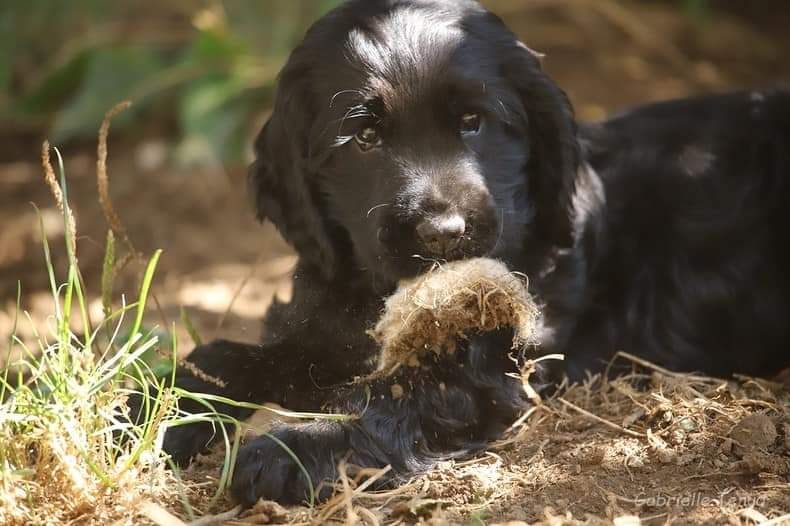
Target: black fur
x,y
662,232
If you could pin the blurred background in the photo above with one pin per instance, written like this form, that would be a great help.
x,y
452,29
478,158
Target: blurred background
x,y
201,75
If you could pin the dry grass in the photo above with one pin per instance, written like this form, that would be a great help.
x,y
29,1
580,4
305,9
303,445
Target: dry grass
x,y
63,465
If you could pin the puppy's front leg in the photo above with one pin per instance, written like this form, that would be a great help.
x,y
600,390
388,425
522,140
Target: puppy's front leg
x,y
274,372
448,407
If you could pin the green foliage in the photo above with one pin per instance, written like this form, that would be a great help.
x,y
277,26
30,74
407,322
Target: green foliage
x,y
207,69
699,9
111,75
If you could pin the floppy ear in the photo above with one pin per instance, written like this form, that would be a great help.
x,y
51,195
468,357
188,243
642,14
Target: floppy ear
x,y
279,180
553,142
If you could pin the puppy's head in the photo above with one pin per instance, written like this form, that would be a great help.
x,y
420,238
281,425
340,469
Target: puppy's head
x,y
406,132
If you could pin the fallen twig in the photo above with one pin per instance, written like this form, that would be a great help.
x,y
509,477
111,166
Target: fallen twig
x,y
600,420
220,518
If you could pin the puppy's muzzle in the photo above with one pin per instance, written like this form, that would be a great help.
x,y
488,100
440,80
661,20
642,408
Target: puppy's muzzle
x,y
441,234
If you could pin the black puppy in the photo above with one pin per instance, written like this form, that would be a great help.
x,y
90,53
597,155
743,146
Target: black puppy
x,y
409,131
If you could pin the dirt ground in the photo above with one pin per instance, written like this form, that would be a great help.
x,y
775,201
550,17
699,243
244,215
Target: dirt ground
x,y
562,466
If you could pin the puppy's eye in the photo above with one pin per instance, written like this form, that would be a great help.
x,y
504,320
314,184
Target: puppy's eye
x,y
368,138
470,123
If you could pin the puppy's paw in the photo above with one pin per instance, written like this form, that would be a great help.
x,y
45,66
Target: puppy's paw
x,y
182,443
267,468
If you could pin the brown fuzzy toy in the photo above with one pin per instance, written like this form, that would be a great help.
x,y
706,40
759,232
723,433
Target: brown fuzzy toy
x,y
430,313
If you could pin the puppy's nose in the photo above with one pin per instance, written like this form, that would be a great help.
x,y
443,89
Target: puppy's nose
x,y
441,234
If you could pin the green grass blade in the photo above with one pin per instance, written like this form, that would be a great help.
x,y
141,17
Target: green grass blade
x,y
174,358
70,242
144,289
298,463
63,325
187,321
75,282
48,262
86,321
182,497
11,338
66,318
249,405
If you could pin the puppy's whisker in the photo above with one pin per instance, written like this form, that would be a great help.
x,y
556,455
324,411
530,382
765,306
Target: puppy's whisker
x,y
501,229
505,113
435,261
382,205
507,209
341,140
352,116
360,112
354,112
342,92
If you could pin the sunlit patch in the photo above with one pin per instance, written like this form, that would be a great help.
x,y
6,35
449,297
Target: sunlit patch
x,y
695,161
234,289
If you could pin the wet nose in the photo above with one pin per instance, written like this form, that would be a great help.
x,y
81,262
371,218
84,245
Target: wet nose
x,y
441,234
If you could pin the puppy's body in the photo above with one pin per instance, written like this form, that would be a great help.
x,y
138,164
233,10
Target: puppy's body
x,y
410,131
684,241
